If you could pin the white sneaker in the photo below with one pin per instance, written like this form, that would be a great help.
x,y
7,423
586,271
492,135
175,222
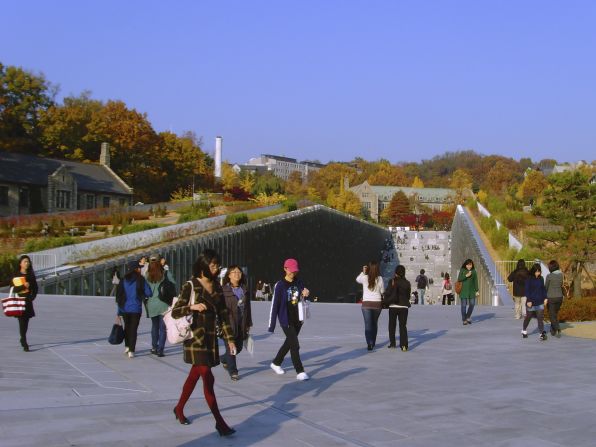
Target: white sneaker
x,y
131,354
302,376
277,369
126,350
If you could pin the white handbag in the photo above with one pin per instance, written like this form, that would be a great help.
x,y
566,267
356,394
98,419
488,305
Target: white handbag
x,y
179,329
303,309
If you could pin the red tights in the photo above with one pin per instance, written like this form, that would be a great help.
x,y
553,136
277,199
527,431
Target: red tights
x,y
195,373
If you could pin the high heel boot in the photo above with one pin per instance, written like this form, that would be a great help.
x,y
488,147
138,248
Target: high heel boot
x,y
224,431
180,417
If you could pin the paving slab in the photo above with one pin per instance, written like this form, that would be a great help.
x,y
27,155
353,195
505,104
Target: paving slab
x,y
477,385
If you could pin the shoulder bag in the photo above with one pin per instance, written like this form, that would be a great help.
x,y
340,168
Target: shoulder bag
x,y
13,305
179,329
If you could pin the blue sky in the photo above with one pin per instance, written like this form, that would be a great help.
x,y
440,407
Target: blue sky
x,y
330,79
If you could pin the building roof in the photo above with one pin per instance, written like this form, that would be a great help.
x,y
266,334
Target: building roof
x,y
31,170
280,158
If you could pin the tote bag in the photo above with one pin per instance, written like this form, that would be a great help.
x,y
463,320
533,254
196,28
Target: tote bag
x,y
13,306
178,329
117,334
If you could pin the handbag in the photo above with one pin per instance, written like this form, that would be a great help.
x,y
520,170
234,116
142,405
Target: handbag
x,y
303,309
13,305
117,335
249,344
458,286
179,329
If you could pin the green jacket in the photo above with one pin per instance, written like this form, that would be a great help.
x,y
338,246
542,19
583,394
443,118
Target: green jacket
x,y
469,284
154,305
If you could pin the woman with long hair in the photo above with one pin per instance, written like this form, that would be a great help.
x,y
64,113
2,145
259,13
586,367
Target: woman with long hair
x,y
372,292
25,286
535,301
131,293
447,290
201,350
156,307
397,297
469,291
519,277
237,301
554,294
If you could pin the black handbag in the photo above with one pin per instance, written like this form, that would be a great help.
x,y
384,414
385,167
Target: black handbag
x,y
117,335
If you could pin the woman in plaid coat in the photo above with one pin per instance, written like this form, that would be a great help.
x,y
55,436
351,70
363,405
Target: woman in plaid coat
x,y
201,351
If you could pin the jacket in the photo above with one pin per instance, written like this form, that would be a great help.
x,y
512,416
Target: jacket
x,y
535,291
154,305
518,277
398,293
29,293
130,295
279,305
202,348
469,284
238,327
554,285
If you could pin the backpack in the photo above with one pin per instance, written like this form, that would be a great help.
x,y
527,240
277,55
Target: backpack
x,y
421,281
179,329
447,285
166,290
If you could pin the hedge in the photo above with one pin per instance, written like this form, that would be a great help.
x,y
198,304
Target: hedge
x,y
236,219
576,309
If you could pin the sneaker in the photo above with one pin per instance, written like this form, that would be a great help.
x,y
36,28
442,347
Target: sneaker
x,y
524,334
126,350
153,351
469,321
234,376
278,369
302,376
131,354
465,322
404,348
161,354
543,336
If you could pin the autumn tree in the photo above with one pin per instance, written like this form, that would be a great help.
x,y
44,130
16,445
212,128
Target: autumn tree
x,y
461,182
330,177
345,201
388,175
294,184
23,97
532,186
229,177
499,177
417,183
399,207
570,202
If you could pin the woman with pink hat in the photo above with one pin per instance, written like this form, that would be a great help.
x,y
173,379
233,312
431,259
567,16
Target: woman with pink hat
x,y
288,292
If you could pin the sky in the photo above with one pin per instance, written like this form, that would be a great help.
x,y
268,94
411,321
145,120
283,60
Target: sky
x,y
329,79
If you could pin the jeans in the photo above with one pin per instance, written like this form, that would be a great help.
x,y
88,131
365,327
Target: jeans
x,y
158,333
371,317
538,312
230,359
131,326
421,296
470,303
401,314
290,344
554,305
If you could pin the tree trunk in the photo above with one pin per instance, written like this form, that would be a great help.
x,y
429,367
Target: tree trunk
x,y
577,280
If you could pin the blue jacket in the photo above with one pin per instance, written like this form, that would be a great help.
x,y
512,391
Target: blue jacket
x,y
279,306
535,291
133,303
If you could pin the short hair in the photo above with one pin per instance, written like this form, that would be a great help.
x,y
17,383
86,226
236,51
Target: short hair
x,y
422,271
553,265
535,268
400,271
201,265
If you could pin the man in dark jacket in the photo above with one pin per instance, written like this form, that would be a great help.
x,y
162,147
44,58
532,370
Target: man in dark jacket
x,y
518,277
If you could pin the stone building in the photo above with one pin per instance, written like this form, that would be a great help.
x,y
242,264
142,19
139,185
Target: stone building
x,y
281,167
376,198
30,184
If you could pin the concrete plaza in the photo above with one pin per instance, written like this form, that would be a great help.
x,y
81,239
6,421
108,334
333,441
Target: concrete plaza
x,y
478,385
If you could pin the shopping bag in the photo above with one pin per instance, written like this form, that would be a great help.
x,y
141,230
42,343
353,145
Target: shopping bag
x,y
13,306
117,335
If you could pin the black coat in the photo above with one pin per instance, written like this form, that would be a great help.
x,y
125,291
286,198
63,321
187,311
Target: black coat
x,y
398,292
30,293
238,327
518,277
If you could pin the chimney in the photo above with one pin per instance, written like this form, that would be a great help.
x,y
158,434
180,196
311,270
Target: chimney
x,y
218,141
104,156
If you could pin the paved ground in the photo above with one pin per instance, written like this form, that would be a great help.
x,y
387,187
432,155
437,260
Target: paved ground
x,y
478,385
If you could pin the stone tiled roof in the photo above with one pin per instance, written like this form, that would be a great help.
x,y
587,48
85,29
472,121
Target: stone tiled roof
x,y
31,170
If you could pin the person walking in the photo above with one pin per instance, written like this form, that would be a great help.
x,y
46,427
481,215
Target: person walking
x,y
519,277
25,285
131,292
372,293
421,285
155,307
201,350
554,295
287,293
115,280
536,299
237,301
447,290
469,291
397,297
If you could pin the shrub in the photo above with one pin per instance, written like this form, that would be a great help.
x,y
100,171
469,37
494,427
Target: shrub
x,y
487,224
290,205
48,242
236,219
576,309
190,213
133,228
512,219
499,238
8,266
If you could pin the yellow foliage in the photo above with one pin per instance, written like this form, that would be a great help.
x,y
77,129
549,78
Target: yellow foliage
x,y
482,196
417,183
264,200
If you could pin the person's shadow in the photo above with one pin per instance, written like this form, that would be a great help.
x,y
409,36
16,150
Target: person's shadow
x,y
420,336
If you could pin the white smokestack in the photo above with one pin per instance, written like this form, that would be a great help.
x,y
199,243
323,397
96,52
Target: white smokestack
x,y
218,141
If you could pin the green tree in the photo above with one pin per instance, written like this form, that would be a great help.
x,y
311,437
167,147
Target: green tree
x,y
532,186
23,97
268,184
398,208
569,201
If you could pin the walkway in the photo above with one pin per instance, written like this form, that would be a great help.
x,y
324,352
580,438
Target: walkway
x,y
478,385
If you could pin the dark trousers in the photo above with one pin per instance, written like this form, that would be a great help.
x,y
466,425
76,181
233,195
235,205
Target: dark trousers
x,y
401,314
230,359
553,312
371,317
131,326
158,333
448,299
290,344
23,326
539,314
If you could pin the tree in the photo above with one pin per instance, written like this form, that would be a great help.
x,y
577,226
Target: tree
x,y
499,177
461,182
531,187
267,184
294,184
417,183
229,177
569,201
247,182
23,97
330,177
345,201
399,207
388,175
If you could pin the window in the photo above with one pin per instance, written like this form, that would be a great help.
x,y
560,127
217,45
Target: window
x,y
63,199
106,202
90,203
3,195
366,205
122,202
23,197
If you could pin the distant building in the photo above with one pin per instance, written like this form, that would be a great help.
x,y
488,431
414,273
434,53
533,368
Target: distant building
x,y
376,198
279,166
30,184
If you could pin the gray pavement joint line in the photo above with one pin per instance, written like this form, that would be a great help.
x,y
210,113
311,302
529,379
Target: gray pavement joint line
x,y
289,415
99,384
